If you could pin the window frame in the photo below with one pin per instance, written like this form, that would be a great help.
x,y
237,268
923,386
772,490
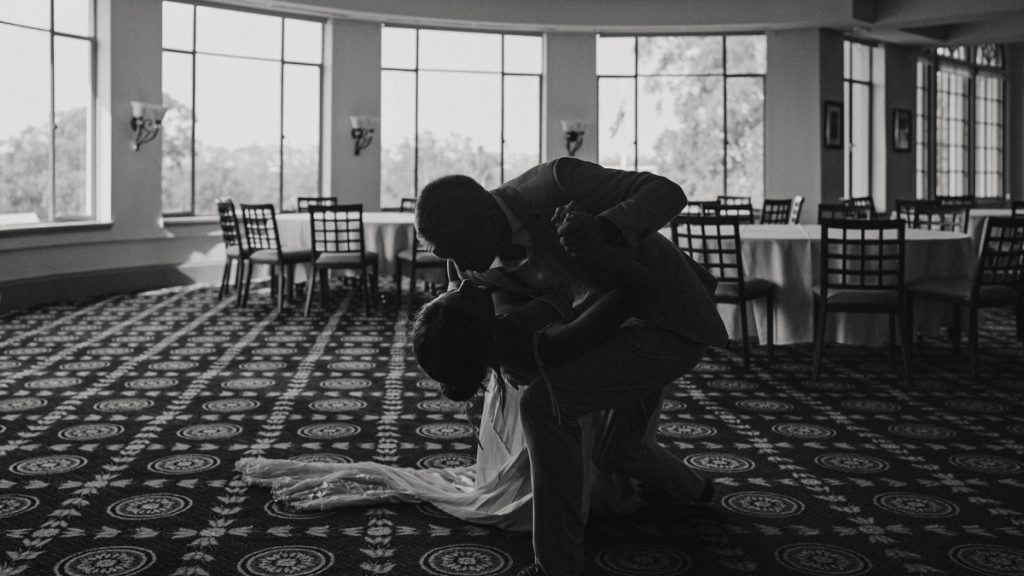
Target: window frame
x,y
284,62
90,194
417,68
964,59
725,75
849,117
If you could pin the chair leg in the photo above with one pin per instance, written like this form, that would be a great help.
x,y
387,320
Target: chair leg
x,y
954,329
364,282
820,320
280,289
325,288
972,336
892,339
225,277
310,286
907,337
398,281
244,294
743,334
770,303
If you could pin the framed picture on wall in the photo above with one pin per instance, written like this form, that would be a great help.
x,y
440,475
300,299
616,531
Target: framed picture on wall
x,y
902,130
833,134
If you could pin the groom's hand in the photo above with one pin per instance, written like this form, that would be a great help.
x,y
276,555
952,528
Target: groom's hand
x,y
581,233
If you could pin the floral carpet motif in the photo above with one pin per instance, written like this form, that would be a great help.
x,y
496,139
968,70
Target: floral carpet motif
x,y
121,420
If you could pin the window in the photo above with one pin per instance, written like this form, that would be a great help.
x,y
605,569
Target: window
x,y
46,111
963,89
456,103
858,69
922,136
243,93
690,108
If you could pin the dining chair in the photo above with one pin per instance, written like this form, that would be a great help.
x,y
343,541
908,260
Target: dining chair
x,y
740,206
798,207
861,270
414,256
339,243
259,223
304,202
995,283
234,248
714,242
949,218
777,211
864,207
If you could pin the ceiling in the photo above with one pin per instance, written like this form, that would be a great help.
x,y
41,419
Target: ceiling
x,y
917,22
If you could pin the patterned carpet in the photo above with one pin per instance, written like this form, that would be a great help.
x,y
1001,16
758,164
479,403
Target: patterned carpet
x,y
121,420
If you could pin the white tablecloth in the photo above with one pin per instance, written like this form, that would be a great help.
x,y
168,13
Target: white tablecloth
x,y
386,233
788,256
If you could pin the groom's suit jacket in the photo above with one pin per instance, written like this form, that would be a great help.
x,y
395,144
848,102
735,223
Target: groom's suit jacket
x,y
638,204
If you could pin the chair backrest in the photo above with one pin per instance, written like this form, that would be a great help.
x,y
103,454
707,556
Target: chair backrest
x,y
740,206
304,202
713,241
937,217
229,226
1001,254
337,229
864,207
861,255
967,201
407,205
776,211
1017,208
702,207
798,207
907,210
839,212
259,225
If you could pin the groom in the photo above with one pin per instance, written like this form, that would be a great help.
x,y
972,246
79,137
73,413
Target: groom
x,y
492,236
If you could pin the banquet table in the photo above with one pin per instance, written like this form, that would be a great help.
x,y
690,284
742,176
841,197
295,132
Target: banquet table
x,y
787,254
386,233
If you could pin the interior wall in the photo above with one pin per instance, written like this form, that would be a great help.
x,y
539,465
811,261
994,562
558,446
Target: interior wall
x,y
900,175
570,92
793,143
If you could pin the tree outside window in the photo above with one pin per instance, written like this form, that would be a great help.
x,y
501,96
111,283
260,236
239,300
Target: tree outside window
x,y
690,108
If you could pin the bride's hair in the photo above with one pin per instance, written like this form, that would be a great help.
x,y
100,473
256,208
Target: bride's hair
x,y
453,347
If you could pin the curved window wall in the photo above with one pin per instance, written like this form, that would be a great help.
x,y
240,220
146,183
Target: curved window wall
x,y
690,108
46,111
457,103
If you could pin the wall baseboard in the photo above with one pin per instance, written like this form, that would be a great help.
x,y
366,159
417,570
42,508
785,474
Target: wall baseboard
x,y
20,294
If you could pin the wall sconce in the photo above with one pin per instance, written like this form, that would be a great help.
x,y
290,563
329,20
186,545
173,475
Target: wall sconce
x,y
146,119
363,128
574,131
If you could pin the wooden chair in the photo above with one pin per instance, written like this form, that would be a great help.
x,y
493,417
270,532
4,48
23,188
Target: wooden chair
x,y
737,206
714,242
863,207
777,211
339,243
861,270
259,223
798,207
416,258
304,202
235,249
996,282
